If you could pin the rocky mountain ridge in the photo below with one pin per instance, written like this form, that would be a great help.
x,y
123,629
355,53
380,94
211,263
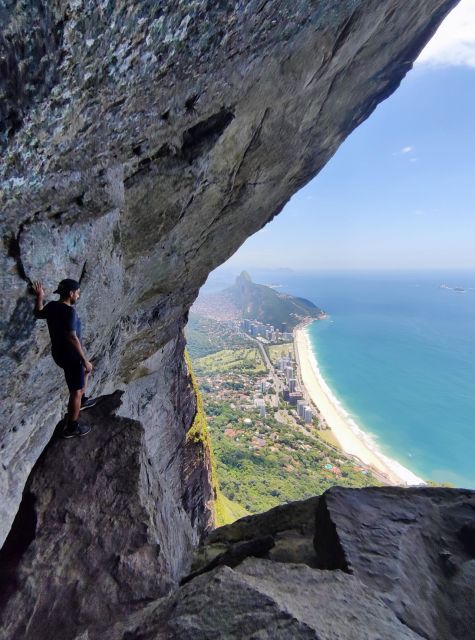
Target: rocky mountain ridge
x,y
263,303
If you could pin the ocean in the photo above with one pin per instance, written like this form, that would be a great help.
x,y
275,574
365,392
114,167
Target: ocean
x,y
398,352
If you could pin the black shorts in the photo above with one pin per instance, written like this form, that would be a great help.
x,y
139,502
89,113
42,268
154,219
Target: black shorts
x,y
74,371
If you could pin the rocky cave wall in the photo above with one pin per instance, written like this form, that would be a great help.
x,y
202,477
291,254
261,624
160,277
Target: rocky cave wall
x,y
142,143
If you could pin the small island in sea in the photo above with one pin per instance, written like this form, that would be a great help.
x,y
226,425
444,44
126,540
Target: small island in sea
x,y
456,289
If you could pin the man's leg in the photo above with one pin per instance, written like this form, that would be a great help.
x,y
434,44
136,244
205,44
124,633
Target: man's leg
x,y
74,405
74,373
86,402
73,427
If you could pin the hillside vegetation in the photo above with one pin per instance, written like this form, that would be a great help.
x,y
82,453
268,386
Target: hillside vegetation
x,y
269,461
263,461
205,336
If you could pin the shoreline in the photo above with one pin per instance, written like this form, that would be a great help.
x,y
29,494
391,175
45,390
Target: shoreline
x,y
352,439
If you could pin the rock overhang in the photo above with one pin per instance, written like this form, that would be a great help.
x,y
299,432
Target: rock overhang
x,y
157,139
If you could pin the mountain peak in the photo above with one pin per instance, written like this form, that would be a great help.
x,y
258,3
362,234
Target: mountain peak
x,y
244,275
263,303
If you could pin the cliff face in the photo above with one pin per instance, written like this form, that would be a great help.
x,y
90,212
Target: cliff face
x,y
142,143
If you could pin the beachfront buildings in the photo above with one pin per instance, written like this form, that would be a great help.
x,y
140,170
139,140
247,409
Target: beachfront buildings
x,y
266,332
285,367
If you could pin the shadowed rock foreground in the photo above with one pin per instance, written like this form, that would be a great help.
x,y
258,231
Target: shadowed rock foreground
x,y
353,564
97,535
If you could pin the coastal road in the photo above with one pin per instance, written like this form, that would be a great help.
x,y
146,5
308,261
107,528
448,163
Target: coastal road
x,y
276,382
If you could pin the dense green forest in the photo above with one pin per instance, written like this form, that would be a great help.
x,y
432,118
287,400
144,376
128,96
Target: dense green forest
x,y
205,336
266,463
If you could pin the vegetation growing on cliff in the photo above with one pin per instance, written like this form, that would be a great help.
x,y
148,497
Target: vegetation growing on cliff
x,y
225,510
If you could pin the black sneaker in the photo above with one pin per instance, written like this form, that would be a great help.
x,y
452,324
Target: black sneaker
x,y
75,429
87,402
60,427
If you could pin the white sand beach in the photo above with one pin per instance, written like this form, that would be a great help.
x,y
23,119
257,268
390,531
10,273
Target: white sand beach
x,y
352,439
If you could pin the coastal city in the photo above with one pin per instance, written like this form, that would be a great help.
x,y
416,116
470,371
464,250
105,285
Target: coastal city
x,y
283,370
260,416
276,430
266,333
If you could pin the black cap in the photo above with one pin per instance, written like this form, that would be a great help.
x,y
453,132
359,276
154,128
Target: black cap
x,y
67,285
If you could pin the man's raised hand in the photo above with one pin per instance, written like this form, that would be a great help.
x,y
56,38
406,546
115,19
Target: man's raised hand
x,y
38,289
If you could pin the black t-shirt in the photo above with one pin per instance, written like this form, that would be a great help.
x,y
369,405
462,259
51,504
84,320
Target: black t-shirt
x,y
62,319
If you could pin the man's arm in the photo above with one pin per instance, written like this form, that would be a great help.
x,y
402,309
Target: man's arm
x,y
74,340
39,303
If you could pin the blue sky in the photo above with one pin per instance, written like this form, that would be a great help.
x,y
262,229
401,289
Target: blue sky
x,y
400,191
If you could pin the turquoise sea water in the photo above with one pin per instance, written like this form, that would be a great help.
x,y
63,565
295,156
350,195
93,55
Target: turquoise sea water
x,y
398,351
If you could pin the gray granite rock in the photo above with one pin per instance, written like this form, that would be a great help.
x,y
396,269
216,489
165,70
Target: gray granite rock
x,y
408,551
264,600
143,143
394,563
386,563
295,516
104,524
290,527
409,546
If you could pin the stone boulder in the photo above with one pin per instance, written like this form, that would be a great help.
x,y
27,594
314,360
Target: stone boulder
x,y
101,528
387,563
410,546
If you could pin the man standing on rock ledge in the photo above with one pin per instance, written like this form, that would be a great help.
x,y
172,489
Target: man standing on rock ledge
x,y
64,328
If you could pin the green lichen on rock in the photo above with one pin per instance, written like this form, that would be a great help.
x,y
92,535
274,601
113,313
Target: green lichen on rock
x,y
225,510
199,429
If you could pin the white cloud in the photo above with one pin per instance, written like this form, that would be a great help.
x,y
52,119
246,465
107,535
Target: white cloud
x,y
404,151
454,42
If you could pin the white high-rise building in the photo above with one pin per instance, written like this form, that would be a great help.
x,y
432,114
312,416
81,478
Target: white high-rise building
x,y
261,406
